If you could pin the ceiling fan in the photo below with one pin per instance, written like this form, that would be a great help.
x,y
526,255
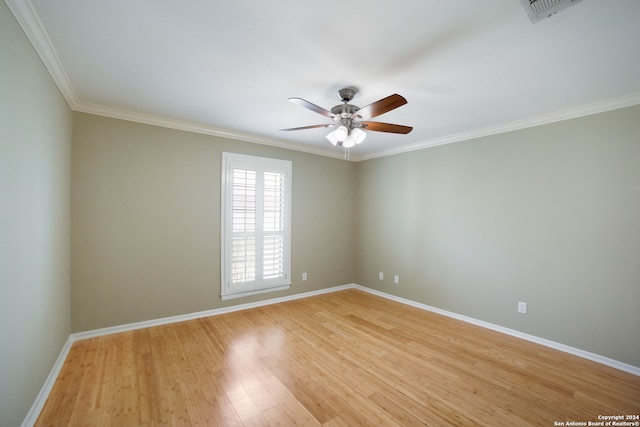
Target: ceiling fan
x,y
350,121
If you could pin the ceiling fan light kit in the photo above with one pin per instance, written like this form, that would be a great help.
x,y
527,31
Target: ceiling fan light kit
x,y
347,118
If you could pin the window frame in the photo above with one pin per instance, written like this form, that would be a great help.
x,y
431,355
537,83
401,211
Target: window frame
x,y
262,165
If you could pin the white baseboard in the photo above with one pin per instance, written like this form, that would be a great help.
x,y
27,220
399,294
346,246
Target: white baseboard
x,y
34,412
635,370
200,314
38,404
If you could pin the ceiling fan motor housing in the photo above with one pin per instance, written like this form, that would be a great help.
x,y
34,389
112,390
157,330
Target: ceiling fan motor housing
x,y
344,110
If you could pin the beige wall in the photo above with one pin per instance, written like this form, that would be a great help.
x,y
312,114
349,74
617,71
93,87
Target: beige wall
x,y
35,156
548,215
146,221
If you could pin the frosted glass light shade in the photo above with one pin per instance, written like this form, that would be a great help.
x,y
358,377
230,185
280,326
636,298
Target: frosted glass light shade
x,y
332,137
349,142
358,135
341,133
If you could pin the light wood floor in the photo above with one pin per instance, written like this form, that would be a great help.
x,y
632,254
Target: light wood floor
x,y
342,359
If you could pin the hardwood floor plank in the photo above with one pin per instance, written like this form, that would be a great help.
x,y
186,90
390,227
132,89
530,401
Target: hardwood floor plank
x,y
346,358
276,416
289,404
223,411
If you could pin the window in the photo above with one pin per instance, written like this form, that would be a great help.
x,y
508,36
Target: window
x,y
256,225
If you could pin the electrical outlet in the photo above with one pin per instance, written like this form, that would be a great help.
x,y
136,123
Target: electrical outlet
x,y
304,276
381,275
396,279
522,307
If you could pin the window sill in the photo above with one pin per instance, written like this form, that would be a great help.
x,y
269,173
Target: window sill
x,y
254,292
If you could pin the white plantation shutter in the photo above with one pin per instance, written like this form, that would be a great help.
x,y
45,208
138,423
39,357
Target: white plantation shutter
x,y
243,224
273,225
256,211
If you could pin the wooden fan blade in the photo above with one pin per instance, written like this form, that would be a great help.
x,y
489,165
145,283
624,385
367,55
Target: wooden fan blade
x,y
313,107
386,127
309,127
381,106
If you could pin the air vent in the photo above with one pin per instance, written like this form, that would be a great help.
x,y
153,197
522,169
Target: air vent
x,y
541,9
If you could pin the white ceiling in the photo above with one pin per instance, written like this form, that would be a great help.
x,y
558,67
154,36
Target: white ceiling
x,y
466,67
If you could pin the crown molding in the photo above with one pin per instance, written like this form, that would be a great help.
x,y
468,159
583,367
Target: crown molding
x,y
558,116
28,19
150,119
